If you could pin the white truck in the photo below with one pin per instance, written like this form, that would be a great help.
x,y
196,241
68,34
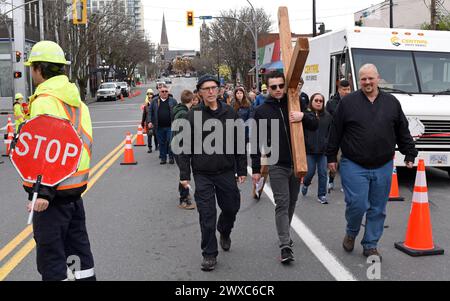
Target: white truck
x,y
414,65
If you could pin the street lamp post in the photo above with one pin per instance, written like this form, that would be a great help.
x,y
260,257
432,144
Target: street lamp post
x,y
252,31
255,36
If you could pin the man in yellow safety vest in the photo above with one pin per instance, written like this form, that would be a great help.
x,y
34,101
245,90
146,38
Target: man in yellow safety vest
x,y
59,222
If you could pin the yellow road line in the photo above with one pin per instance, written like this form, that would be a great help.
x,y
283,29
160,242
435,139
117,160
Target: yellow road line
x,y
15,242
16,259
10,265
105,167
106,158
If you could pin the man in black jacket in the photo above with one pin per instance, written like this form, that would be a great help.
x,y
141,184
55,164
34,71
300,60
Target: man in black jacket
x,y
367,126
344,89
304,98
214,172
160,118
284,182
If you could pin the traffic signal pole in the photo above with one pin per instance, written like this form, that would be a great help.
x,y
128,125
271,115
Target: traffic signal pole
x,y
19,45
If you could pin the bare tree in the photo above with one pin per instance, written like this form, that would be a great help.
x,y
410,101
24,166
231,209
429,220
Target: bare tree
x,y
233,43
108,34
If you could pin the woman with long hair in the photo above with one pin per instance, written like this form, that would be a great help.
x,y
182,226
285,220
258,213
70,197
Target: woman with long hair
x,y
316,145
243,107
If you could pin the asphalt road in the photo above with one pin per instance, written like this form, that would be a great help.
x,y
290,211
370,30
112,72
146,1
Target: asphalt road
x,y
138,233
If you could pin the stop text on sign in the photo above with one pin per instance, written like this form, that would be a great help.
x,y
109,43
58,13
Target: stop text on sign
x,y
53,148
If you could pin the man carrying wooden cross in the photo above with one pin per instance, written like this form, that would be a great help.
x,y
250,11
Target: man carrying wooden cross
x,y
284,181
282,105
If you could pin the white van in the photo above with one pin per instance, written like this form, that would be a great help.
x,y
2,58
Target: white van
x,y
414,65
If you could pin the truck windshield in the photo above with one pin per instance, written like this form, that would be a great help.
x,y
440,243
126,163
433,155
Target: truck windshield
x,y
107,86
398,73
396,68
434,71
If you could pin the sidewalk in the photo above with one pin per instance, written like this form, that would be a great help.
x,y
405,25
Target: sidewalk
x,y
89,99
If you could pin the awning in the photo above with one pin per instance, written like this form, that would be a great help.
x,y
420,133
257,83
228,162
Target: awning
x,y
278,65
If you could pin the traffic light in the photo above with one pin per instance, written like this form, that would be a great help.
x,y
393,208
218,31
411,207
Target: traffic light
x,y
17,74
18,56
79,11
253,55
322,28
190,18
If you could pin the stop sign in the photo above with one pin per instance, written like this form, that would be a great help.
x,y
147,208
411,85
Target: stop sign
x,y
47,146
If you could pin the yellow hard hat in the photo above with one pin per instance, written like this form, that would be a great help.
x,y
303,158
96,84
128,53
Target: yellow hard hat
x,y
150,91
46,51
263,87
18,96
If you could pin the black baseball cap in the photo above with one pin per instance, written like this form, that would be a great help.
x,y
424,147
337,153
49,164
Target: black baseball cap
x,y
206,78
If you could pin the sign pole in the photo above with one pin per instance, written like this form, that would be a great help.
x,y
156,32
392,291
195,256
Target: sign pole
x,y
35,195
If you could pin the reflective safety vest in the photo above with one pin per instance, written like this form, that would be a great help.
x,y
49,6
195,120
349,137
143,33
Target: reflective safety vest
x,y
19,115
74,115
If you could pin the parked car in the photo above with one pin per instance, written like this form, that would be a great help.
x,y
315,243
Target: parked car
x,y
108,91
168,80
160,82
124,88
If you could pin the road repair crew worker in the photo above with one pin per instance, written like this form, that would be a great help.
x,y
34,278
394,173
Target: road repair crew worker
x,y
19,115
59,222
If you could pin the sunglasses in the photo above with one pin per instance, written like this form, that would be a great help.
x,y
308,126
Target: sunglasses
x,y
207,89
274,87
164,91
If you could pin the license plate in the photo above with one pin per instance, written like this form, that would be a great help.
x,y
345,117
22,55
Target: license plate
x,y
439,159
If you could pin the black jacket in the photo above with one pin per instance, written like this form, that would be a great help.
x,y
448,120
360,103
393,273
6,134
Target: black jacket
x,y
274,109
212,164
316,141
304,101
152,115
368,132
333,103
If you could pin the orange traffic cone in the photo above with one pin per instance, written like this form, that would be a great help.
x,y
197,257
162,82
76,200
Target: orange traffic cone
x,y
394,194
128,158
10,125
419,236
8,138
140,137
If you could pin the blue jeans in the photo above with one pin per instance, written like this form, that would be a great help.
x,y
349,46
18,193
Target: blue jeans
x,y
164,137
319,161
366,192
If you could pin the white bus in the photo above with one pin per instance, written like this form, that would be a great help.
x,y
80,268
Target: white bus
x,y
414,65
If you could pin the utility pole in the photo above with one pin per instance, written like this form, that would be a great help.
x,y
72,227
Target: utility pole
x,y
391,13
41,20
433,14
314,18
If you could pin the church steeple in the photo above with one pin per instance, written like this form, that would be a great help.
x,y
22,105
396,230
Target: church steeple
x,y
164,40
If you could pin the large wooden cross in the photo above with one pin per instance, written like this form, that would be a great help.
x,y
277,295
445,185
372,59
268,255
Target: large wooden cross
x,y
294,62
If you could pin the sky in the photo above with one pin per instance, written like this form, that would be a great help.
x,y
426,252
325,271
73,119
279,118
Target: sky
x,y
334,13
